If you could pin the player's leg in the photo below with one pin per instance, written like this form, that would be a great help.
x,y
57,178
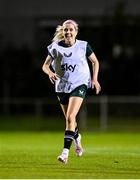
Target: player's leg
x,y
64,109
64,156
63,99
80,91
74,105
72,110
77,136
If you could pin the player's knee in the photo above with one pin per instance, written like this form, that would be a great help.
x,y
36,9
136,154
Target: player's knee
x,y
71,119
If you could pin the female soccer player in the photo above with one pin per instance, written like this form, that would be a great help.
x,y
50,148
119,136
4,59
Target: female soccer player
x,y
68,56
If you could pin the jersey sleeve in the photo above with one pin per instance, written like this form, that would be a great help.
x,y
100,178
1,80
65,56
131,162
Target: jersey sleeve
x,y
89,50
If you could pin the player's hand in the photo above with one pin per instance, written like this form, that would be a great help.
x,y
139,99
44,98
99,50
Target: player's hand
x,y
53,77
96,84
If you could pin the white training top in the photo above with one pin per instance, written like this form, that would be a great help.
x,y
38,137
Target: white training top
x,y
70,63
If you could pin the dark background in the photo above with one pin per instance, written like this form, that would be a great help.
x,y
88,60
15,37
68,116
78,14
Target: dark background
x,y
111,27
27,97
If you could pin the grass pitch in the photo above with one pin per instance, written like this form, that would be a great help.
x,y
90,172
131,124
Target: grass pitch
x,y
33,155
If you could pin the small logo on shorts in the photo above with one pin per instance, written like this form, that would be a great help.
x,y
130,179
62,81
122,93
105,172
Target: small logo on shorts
x,y
81,92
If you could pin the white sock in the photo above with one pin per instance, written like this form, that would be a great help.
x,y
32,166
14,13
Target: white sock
x,y
65,152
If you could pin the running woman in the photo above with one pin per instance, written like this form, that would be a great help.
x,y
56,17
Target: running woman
x,y
68,56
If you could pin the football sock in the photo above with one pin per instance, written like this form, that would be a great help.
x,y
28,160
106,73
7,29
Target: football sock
x,y
76,133
65,152
68,138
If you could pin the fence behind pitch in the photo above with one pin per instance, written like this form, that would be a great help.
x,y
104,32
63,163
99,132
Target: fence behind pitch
x,y
98,112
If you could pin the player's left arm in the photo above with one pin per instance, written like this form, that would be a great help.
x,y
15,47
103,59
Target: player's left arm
x,y
95,67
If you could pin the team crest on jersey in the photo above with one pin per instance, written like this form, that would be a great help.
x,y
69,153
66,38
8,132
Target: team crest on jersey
x,y
67,55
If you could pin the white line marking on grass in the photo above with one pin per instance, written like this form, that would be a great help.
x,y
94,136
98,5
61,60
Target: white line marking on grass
x,y
106,150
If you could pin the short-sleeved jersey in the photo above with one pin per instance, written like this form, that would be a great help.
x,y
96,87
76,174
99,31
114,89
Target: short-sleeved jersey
x,y
72,67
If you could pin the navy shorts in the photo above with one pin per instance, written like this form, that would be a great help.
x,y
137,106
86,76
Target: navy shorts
x,y
79,91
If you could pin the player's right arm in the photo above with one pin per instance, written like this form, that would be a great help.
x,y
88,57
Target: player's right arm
x,y
46,68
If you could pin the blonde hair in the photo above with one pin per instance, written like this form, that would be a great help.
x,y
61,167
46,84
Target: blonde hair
x,y
58,35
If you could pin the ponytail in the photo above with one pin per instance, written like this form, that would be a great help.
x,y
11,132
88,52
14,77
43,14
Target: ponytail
x,y
58,36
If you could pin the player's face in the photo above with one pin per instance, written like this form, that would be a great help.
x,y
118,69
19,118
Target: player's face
x,y
69,33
